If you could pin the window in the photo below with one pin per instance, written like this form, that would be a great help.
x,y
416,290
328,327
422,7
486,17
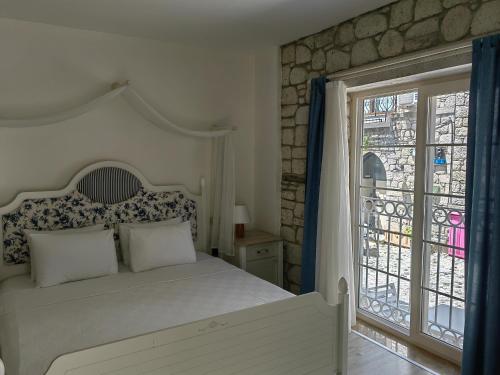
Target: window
x,y
409,185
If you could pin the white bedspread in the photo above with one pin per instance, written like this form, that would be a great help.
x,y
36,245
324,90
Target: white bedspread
x,y
38,325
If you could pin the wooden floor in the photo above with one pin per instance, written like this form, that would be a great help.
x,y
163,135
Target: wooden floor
x,y
367,357
406,350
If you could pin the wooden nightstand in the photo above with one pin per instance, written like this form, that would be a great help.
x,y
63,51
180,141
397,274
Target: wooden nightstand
x,y
260,254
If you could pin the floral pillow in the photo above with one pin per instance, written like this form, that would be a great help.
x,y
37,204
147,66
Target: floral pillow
x,y
76,210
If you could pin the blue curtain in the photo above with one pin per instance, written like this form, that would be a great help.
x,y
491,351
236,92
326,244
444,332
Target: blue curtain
x,y
313,178
481,353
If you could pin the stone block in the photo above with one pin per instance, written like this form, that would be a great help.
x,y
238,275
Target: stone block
x,y
364,52
299,210
298,222
298,75
456,23
422,34
293,253
302,115
423,28
452,3
427,8
300,235
370,25
298,166
487,18
287,137
288,54
302,54
337,60
318,60
288,233
288,194
345,34
287,204
286,152
300,194
309,41
286,216
401,13
301,136
289,95
287,122
286,166
288,110
299,152
391,44
324,38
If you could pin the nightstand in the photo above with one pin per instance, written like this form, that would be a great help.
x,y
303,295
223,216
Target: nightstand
x,y
261,254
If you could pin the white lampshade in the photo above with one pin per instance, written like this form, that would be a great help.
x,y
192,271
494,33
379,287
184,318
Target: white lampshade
x,y
241,215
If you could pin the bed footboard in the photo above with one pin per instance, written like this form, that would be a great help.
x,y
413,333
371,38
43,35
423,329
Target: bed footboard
x,y
298,335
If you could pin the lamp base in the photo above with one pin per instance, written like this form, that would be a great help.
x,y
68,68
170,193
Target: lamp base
x,y
239,230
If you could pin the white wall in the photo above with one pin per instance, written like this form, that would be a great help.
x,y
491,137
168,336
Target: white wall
x,y
46,68
267,139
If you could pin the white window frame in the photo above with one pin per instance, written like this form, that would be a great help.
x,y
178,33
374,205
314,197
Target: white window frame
x,y
426,90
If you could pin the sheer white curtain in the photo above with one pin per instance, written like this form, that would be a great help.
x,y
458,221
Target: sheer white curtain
x,y
223,200
334,257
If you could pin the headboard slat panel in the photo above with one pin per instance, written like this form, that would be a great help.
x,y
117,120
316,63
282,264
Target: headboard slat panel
x,y
109,185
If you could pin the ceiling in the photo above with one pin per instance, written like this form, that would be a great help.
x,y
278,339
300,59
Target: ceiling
x,y
216,22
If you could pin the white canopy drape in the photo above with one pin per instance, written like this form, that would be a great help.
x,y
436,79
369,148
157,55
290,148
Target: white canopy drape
x,y
334,258
222,236
223,177
135,100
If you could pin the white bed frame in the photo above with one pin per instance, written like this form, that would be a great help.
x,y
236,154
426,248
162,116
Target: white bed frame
x,y
298,335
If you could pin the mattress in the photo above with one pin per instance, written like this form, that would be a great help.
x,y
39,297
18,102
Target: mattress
x,y
38,325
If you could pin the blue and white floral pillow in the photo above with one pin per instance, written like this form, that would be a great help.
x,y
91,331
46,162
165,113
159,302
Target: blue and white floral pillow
x,y
76,210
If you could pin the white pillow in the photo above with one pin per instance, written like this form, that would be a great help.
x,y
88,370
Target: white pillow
x,y
74,256
124,233
161,246
27,232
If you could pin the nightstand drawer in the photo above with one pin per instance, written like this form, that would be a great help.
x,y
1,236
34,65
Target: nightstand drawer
x,y
265,268
261,251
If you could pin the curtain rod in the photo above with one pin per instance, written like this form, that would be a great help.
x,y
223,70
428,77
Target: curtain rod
x,y
426,56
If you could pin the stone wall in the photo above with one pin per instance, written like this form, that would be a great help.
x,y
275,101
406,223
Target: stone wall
x,y
402,27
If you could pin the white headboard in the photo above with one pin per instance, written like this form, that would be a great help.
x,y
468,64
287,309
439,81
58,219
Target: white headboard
x,y
107,192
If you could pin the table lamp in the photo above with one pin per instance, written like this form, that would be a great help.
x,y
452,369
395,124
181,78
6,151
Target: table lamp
x,y
241,217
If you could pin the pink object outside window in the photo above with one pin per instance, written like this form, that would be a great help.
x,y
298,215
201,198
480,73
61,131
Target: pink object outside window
x,y
456,235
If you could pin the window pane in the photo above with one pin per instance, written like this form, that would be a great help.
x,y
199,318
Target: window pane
x,y
444,319
390,167
450,119
390,119
386,206
444,221
444,215
387,212
448,167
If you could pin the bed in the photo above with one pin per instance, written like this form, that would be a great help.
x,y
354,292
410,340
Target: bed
x,y
204,317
